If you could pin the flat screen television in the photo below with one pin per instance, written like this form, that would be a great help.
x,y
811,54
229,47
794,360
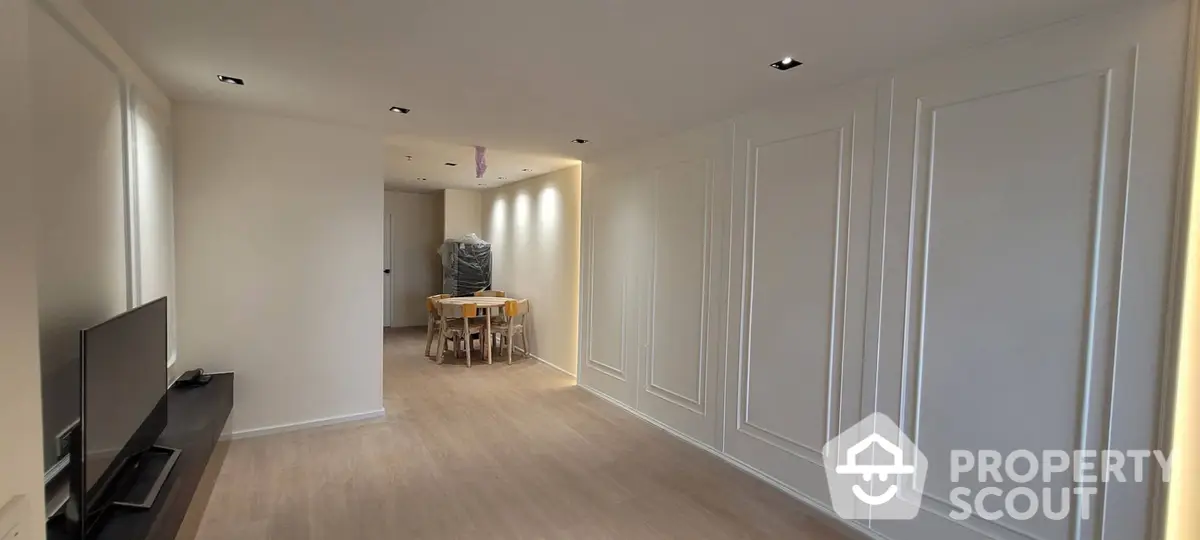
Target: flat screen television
x,y
124,410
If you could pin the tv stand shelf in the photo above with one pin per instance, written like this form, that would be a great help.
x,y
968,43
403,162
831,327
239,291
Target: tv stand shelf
x,y
197,417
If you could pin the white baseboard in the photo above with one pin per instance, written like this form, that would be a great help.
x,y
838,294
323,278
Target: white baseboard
x,y
307,424
544,361
827,516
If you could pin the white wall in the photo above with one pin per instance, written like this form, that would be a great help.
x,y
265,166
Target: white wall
x,y
78,144
462,212
763,283
20,389
279,235
101,165
154,220
89,30
533,226
416,268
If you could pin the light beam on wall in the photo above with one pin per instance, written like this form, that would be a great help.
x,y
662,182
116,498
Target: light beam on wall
x,y
499,218
521,208
549,214
1183,495
522,221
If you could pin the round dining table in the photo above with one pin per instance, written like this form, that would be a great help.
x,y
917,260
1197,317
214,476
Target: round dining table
x,y
487,304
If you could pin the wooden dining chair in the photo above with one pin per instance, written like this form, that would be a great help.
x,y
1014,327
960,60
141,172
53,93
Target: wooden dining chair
x,y
434,314
513,324
460,322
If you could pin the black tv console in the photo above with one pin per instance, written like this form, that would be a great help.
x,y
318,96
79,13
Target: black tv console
x,y
197,418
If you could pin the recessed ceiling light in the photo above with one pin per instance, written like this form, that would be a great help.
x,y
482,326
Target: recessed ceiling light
x,y
580,141
400,110
448,164
231,80
787,63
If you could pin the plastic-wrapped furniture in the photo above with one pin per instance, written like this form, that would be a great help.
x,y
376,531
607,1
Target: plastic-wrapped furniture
x,y
466,266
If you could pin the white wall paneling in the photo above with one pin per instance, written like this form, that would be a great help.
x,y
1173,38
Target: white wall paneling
x,y
1029,211
681,281
803,191
976,245
655,242
612,217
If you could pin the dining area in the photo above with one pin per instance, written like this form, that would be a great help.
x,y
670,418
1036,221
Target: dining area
x,y
476,326
471,274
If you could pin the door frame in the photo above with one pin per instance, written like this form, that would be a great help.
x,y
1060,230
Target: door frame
x,y
389,274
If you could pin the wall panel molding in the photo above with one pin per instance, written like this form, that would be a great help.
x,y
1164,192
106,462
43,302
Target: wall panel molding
x,y
696,402
986,264
836,306
618,371
1051,284
922,219
804,185
676,191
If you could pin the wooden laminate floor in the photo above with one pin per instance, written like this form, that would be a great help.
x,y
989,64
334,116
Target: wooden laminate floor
x,y
490,452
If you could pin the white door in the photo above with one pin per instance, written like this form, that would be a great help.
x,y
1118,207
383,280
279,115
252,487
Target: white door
x,y
802,193
1028,221
389,274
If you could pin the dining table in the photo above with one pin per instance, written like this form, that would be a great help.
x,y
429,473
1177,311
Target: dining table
x,y
487,304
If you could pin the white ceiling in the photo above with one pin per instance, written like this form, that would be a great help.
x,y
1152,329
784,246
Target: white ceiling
x,y
427,169
530,75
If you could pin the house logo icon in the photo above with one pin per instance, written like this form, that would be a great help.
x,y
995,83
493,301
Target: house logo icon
x,y
875,471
